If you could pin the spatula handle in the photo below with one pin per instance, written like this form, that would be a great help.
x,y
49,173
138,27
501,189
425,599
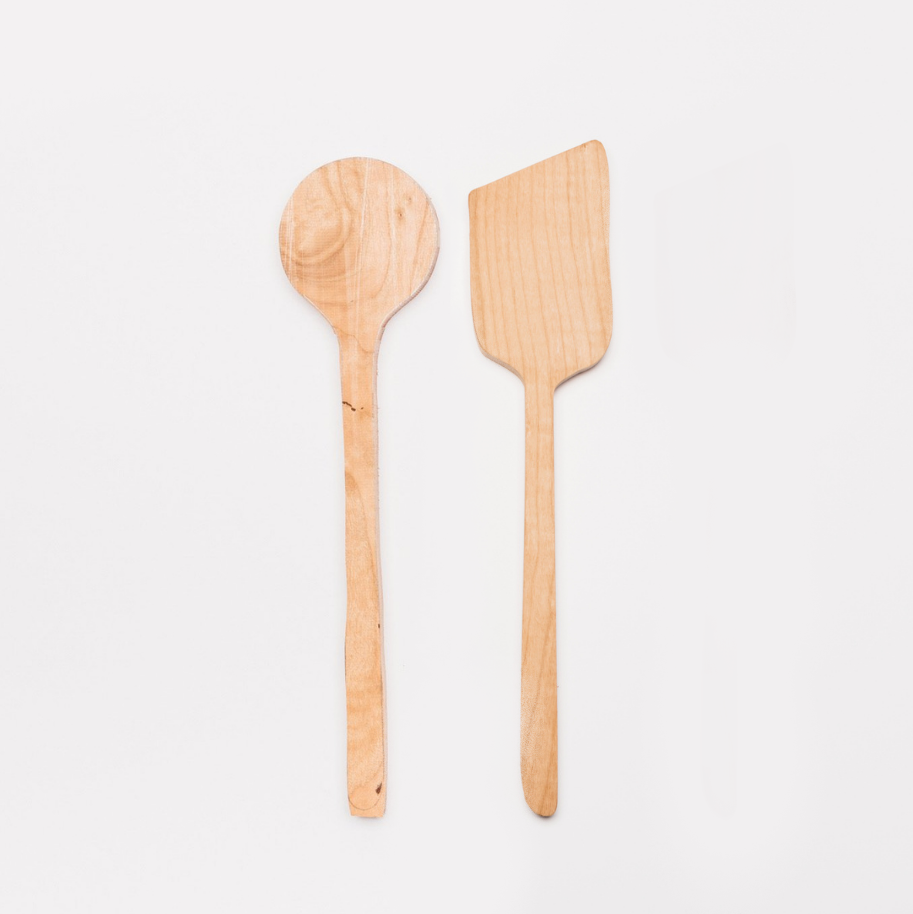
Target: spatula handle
x,y
365,710
538,677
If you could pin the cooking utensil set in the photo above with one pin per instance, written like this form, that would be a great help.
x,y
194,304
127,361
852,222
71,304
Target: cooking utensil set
x,y
359,239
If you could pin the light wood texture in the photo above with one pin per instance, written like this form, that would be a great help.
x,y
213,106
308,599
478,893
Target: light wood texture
x,y
359,238
542,307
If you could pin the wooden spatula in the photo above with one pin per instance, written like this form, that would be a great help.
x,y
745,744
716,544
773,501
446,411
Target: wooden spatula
x,y
359,238
542,307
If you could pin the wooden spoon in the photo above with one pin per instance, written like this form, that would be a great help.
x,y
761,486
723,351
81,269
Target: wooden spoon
x,y
359,238
542,307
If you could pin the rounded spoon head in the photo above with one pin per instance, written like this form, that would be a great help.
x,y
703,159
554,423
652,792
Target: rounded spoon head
x,y
359,238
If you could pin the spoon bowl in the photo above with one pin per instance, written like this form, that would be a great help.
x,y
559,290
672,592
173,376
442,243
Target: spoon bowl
x,y
359,239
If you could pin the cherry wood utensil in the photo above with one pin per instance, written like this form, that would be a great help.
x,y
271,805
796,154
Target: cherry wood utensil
x,y
359,238
542,307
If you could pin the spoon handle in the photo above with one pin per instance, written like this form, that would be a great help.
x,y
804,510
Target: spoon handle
x,y
538,677
365,710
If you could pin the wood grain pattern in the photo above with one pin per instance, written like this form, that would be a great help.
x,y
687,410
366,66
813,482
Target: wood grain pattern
x,y
542,307
359,238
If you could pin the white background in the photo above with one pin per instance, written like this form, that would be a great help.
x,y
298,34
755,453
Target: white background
x,y
733,480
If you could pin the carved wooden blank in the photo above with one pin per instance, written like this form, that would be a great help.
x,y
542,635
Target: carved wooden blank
x,y
542,307
359,238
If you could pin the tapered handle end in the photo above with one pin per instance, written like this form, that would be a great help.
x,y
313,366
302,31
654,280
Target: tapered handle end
x,y
539,749
368,803
544,806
